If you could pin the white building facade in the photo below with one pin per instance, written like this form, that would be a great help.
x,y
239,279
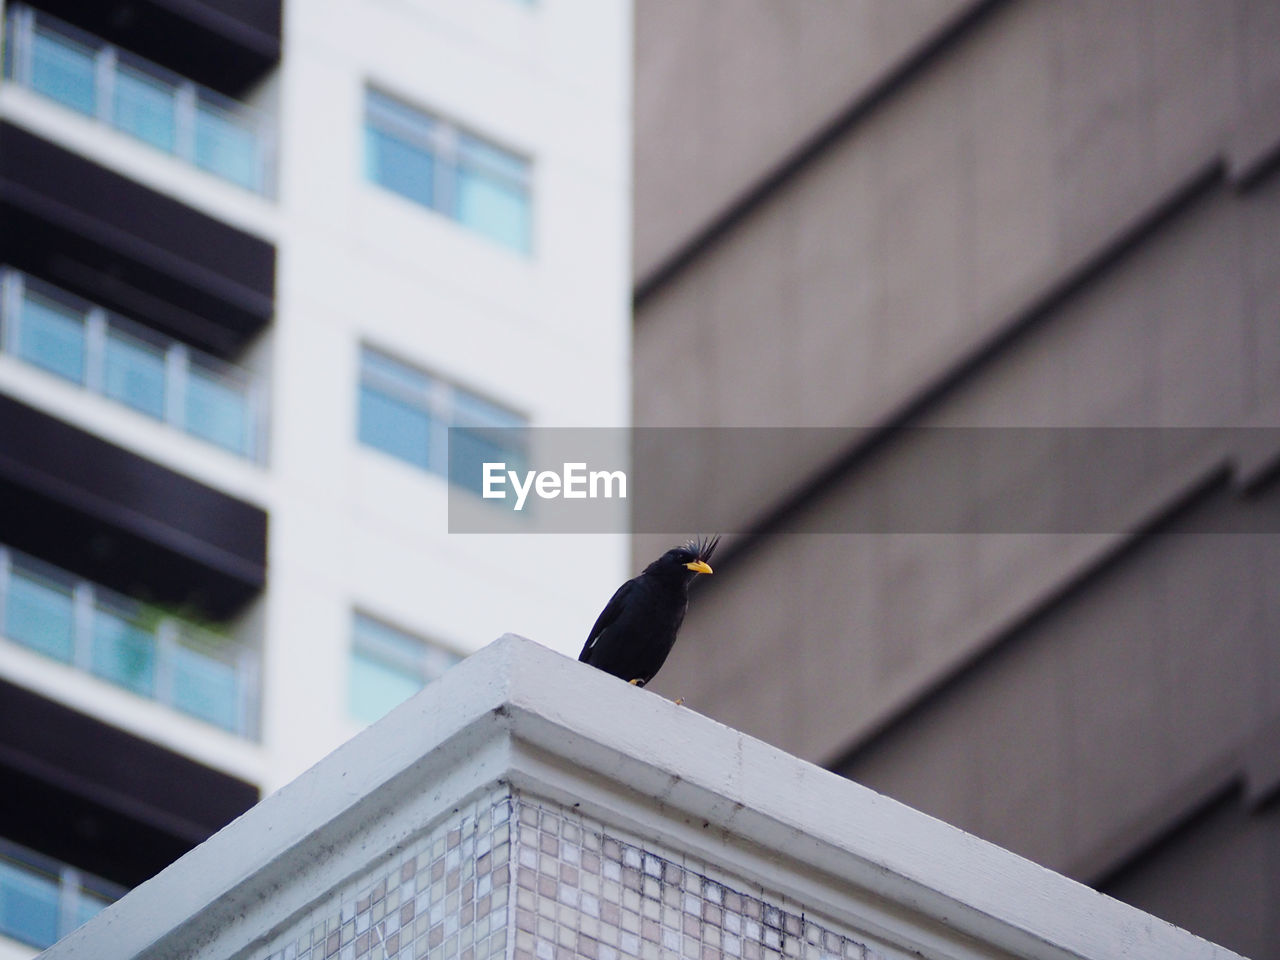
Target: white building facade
x,y
427,202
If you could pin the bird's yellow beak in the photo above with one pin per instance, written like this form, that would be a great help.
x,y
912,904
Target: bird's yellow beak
x,y
699,566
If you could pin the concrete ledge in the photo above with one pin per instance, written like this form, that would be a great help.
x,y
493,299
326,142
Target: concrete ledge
x,y
517,718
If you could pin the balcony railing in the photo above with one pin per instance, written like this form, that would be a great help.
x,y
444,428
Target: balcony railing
x,y
153,374
154,655
42,899
146,101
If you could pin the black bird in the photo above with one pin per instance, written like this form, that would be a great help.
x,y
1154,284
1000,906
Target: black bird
x,y
637,628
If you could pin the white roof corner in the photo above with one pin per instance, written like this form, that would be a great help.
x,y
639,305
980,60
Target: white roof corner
x,y
519,717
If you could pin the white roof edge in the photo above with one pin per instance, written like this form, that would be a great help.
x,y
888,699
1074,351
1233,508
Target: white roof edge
x,y
248,860
517,710
780,802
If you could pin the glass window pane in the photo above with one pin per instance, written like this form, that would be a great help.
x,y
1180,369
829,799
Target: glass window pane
x,y
377,686
64,70
494,207
38,614
395,427
123,652
51,336
217,410
400,166
400,120
134,373
206,688
387,643
226,147
28,904
144,107
388,666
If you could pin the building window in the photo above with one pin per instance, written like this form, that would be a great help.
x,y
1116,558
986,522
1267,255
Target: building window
x,y
389,666
173,114
407,413
170,381
42,900
142,649
441,166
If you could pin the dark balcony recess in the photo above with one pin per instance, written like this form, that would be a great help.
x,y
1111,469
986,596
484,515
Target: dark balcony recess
x,y
228,45
98,798
129,248
123,521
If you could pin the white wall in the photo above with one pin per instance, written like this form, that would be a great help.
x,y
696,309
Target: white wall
x,y
547,335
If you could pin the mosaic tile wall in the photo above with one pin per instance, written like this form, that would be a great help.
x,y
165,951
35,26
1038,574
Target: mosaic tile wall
x,y
444,895
512,876
582,892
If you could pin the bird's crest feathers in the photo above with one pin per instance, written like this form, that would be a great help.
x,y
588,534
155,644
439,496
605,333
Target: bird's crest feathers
x,y
703,547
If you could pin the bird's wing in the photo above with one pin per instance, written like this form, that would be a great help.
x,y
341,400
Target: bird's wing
x,y
607,616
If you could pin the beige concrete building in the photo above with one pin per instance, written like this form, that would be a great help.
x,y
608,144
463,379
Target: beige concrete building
x,y
1007,213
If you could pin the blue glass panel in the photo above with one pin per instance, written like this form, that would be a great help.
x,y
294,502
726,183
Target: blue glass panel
x,y
396,427
377,686
389,643
494,207
206,688
123,653
28,904
51,336
217,411
63,70
227,148
134,373
38,614
144,107
409,123
400,166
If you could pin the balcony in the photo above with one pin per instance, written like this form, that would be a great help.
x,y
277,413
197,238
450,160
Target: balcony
x,y
139,648
131,364
170,113
42,899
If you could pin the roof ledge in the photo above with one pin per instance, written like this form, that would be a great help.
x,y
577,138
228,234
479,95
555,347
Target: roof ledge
x,y
536,730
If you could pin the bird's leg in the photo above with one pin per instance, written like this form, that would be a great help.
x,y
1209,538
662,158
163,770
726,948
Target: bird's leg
x,y
637,682
679,701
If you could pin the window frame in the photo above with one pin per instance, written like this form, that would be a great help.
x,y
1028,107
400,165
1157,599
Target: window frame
x,y
445,403
423,667
454,148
